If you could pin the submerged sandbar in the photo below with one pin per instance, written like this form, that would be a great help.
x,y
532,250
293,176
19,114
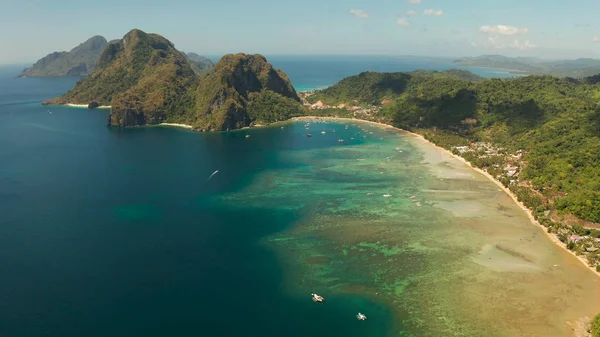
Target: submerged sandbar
x,y
461,258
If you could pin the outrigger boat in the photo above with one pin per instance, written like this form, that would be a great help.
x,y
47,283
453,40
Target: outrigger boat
x,y
361,317
317,298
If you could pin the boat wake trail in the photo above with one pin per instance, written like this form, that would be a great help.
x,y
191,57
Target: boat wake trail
x,y
212,175
19,103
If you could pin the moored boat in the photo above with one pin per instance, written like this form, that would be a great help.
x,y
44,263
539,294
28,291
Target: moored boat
x,y
317,298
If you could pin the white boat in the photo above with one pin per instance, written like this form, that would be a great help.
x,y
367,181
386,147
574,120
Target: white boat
x,y
387,195
317,298
247,136
361,317
323,132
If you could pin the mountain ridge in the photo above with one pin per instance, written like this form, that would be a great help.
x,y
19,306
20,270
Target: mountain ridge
x,y
578,68
146,80
79,61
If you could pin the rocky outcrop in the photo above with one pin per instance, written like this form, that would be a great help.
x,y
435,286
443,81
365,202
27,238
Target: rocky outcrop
x,y
142,76
146,80
223,96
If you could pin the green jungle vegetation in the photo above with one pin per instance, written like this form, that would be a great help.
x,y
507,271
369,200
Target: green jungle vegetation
x,y
555,121
596,326
268,107
146,80
80,61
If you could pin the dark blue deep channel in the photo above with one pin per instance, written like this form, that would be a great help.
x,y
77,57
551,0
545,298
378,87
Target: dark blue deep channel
x,y
110,232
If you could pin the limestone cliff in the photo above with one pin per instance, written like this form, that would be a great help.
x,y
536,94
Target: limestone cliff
x,y
223,95
142,76
147,81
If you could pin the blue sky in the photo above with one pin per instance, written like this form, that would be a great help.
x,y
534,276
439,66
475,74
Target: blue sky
x,y
543,28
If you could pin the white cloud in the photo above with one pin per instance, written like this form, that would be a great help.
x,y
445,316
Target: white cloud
x,y
415,2
359,13
403,22
411,13
523,46
497,43
503,30
596,39
431,11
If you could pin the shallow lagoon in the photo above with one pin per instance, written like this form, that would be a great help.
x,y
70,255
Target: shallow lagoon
x,y
458,259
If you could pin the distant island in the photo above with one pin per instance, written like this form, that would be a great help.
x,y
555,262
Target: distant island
x,y
200,64
578,68
80,61
146,80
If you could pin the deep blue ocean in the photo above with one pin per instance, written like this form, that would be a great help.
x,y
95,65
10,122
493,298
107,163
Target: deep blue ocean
x,y
113,232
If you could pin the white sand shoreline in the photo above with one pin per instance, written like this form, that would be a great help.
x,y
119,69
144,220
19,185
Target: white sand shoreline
x,y
185,126
72,105
529,213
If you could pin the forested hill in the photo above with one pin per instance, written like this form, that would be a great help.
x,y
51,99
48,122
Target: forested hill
x,y
146,80
555,121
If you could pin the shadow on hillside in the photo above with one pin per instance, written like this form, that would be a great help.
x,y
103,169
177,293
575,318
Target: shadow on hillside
x,y
594,122
519,116
446,111
451,110
391,83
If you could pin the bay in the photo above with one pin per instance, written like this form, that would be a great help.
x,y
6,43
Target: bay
x,y
123,232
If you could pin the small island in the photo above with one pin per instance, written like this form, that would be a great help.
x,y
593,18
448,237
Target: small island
x,y
146,81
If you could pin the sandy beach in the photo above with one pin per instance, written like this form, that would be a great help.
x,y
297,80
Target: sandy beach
x,y
86,106
185,126
529,213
